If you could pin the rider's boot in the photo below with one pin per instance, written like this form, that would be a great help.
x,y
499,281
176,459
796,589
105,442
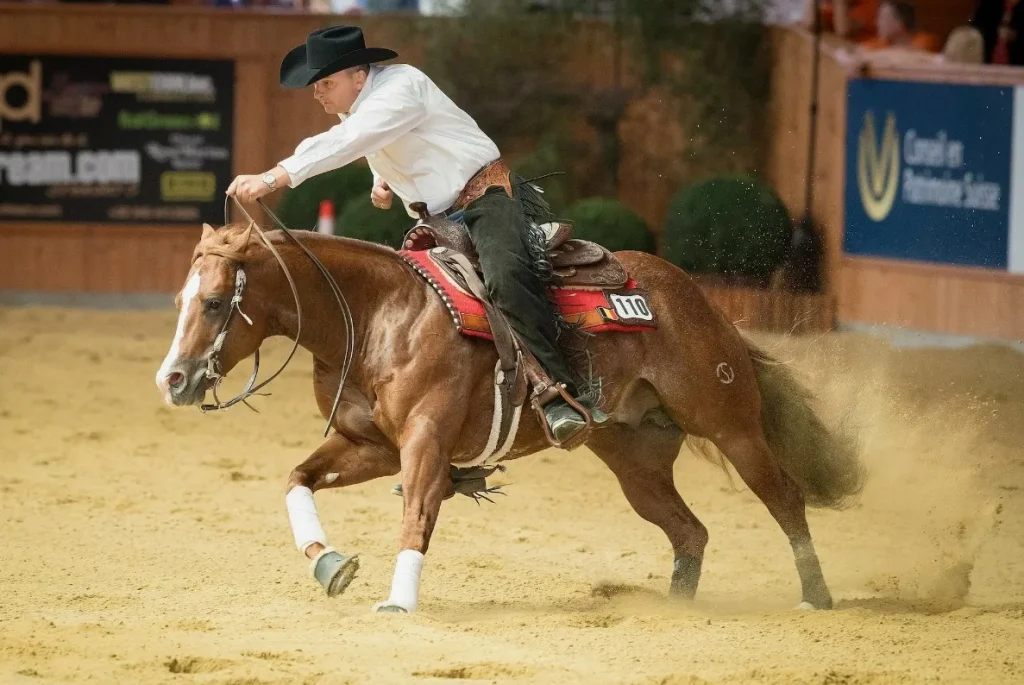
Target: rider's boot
x,y
563,420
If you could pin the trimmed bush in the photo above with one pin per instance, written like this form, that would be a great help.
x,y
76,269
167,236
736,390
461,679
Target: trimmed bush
x,y
731,225
300,206
360,219
611,224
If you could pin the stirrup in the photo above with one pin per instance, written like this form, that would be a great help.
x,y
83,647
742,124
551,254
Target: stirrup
x,y
563,421
545,395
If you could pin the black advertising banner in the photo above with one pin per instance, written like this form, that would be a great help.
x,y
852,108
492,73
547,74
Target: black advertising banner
x,y
113,139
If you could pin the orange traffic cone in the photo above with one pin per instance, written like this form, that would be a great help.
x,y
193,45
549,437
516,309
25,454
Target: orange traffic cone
x,y
325,224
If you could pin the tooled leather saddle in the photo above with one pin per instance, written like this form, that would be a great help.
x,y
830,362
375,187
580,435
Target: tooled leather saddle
x,y
577,264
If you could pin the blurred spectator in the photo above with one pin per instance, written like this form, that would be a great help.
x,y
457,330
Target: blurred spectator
x,y
442,7
122,2
897,42
875,24
392,5
897,28
357,7
339,7
344,7
291,4
1000,23
850,19
965,45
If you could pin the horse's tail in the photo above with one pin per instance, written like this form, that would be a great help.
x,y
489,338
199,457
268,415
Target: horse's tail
x,y
824,463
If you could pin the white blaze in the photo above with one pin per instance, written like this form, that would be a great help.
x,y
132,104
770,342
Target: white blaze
x,y
188,295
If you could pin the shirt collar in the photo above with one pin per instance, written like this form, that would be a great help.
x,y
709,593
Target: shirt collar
x,y
363,93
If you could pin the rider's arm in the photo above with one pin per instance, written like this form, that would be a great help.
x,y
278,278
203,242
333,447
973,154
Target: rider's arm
x,y
393,108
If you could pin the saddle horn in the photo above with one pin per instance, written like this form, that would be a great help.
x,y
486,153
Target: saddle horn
x,y
421,209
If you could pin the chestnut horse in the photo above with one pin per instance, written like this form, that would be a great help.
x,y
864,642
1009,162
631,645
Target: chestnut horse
x,y
418,395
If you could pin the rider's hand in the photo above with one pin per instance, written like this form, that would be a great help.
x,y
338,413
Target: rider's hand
x,y
381,195
249,188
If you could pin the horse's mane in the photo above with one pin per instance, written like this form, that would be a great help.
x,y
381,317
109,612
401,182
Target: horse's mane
x,y
237,242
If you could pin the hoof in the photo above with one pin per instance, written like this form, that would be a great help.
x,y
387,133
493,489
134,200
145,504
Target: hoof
x,y
685,576
389,608
807,606
334,571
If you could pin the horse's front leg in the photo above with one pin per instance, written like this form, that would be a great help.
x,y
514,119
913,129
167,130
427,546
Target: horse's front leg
x,y
425,481
336,463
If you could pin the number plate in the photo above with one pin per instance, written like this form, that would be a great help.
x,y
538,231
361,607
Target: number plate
x,y
631,307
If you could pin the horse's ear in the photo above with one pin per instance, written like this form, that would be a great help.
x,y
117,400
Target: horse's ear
x,y
208,230
241,239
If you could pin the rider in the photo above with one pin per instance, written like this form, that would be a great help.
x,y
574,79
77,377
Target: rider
x,y
422,147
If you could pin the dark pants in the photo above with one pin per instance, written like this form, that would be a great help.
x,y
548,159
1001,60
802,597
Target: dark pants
x,y
495,227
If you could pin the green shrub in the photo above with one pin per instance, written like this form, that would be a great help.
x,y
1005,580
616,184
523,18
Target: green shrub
x,y
360,219
732,225
611,224
300,206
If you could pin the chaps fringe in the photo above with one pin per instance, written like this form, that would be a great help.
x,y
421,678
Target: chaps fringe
x,y
572,340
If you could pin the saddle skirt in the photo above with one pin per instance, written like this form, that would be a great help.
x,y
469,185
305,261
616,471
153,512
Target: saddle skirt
x,y
592,290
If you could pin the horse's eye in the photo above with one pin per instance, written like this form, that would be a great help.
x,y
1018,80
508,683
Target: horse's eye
x,y
212,305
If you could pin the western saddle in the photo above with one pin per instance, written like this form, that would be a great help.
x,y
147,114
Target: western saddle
x,y
578,264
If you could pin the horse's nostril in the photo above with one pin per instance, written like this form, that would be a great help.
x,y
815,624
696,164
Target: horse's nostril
x,y
175,380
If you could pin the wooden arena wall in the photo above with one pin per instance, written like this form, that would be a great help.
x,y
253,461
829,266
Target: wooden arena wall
x,y
269,121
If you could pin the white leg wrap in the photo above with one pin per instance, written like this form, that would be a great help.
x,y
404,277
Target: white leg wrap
x,y
305,521
405,585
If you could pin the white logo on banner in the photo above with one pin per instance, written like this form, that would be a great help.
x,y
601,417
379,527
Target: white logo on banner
x,y
185,151
49,167
934,181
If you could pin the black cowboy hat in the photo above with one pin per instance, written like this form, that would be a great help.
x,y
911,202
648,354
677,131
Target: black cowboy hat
x,y
328,51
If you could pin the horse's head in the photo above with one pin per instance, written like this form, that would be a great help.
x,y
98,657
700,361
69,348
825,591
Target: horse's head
x,y
206,311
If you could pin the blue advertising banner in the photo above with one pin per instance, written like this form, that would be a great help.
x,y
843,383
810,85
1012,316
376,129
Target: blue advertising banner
x,y
928,172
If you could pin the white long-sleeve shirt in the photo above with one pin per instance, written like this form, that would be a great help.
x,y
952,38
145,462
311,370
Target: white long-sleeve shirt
x,y
412,135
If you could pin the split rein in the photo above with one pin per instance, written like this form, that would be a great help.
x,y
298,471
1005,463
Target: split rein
x,y
213,366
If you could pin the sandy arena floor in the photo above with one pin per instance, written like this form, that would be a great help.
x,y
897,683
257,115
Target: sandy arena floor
x,y
144,545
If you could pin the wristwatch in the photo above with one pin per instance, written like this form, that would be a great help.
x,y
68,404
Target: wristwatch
x,y
269,179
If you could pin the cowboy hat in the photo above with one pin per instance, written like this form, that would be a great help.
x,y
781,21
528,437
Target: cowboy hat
x,y
328,51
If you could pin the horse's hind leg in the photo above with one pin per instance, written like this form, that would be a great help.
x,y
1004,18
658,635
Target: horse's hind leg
x,y
760,469
641,459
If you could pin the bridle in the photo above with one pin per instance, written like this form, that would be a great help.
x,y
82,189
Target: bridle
x,y
213,365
